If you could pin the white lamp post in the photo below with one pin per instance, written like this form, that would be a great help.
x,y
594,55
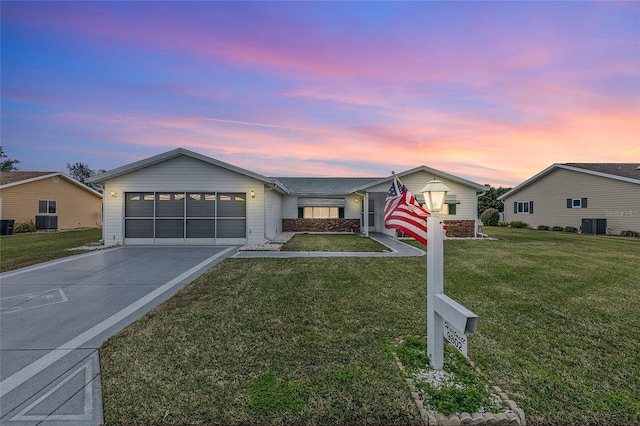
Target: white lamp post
x,y
434,193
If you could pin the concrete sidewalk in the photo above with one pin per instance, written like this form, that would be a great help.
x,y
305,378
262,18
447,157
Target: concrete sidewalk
x,y
396,247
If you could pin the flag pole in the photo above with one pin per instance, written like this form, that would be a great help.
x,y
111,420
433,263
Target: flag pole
x,y
397,178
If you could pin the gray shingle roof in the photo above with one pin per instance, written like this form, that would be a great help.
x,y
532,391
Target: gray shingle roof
x,y
324,186
11,177
628,170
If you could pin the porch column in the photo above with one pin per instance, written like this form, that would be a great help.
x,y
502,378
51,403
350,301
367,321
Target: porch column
x,y
365,209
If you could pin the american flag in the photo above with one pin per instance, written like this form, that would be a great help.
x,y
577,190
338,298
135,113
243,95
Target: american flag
x,y
402,212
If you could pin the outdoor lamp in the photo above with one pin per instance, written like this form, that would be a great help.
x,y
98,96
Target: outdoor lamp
x,y
113,193
434,193
253,194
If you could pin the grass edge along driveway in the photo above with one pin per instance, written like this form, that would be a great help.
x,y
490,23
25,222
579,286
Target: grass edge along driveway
x,y
292,341
21,250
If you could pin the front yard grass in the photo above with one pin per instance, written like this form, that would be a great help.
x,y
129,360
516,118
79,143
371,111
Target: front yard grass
x,y
20,250
332,242
306,340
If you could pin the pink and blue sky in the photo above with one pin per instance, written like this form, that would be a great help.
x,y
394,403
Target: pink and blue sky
x,y
491,91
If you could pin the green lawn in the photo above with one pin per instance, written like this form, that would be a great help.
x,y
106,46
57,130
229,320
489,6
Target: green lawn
x,y
20,250
332,242
288,341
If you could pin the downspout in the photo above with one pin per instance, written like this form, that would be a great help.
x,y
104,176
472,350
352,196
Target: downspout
x,y
364,215
264,211
475,232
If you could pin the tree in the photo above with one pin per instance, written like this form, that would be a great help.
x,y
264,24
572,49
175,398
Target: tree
x,y
81,172
490,199
6,163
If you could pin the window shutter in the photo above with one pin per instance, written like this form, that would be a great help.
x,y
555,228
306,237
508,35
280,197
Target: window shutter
x,y
341,212
569,203
530,207
515,207
300,212
584,203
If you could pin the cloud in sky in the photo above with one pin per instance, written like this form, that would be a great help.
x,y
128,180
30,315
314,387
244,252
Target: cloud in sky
x,y
491,91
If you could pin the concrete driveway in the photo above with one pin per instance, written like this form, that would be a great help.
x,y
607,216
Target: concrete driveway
x,y
54,316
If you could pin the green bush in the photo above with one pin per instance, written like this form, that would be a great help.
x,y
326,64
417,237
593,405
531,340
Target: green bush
x,y
504,224
557,228
518,224
490,217
629,233
543,228
22,228
571,229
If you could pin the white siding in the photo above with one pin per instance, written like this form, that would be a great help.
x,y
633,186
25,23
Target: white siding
x,y
182,174
289,207
351,207
273,211
611,199
466,210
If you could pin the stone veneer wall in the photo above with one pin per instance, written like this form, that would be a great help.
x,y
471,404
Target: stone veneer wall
x,y
320,225
461,228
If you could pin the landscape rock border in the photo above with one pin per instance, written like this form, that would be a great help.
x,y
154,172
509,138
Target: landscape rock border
x,y
513,416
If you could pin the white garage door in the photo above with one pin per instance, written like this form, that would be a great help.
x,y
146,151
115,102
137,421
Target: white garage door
x,y
185,218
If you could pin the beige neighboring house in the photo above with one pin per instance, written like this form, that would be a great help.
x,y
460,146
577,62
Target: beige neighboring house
x,y
597,198
52,200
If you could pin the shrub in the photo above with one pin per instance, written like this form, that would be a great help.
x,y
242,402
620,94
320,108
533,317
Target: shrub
x,y
557,228
543,227
629,233
504,224
490,217
518,224
21,228
571,229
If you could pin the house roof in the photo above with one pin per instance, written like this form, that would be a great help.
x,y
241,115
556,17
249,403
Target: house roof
x,y
289,185
7,178
428,170
323,186
627,172
15,178
156,159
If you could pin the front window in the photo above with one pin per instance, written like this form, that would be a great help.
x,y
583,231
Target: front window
x,y
321,212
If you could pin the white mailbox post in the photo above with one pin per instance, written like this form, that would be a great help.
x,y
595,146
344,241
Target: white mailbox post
x,y
442,309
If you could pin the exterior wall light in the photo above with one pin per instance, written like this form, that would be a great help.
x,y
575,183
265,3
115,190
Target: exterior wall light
x,y
253,194
113,194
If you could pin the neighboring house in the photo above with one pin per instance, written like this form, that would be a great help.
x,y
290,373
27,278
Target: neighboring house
x,y
596,198
52,200
182,197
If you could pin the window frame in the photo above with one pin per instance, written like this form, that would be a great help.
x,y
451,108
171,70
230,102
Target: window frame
x,y
49,206
523,207
316,212
577,203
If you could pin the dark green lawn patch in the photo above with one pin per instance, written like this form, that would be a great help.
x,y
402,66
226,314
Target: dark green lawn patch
x,y
20,250
332,242
558,322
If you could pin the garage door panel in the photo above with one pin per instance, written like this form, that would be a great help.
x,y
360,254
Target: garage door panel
x,y
201,228
232,228
169,228
139,228
170,204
